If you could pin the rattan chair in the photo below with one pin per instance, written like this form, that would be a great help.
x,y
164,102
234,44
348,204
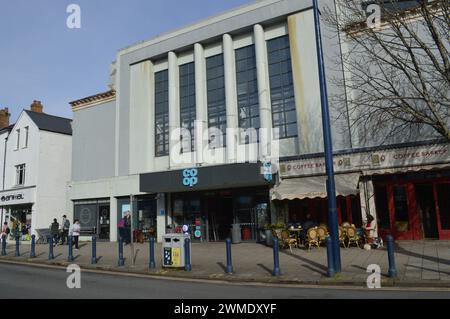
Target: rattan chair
x,y
312,238
322,233
352,237
342,236
288,241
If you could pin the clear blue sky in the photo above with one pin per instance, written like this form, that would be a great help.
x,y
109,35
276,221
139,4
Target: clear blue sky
x,y
42,59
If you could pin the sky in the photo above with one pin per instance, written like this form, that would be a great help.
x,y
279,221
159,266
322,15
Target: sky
x,y
42,59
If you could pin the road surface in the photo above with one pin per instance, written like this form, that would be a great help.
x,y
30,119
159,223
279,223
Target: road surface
x,y
21,281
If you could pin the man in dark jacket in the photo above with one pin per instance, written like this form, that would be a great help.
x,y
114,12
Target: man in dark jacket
x,y
54,231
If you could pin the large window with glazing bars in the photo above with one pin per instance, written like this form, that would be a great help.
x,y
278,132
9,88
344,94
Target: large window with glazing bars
x,y
247,92
161,113
187,100
284,116
217,114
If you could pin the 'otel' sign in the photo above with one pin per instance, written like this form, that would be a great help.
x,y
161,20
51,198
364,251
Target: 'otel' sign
x,y
190,177
7,198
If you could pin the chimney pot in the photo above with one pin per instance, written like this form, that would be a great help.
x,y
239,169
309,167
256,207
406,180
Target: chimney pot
x,y
4,118
36,106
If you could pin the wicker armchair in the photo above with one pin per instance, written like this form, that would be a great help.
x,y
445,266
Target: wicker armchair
x,y
322,233
352,237
342,235
312,238
287,240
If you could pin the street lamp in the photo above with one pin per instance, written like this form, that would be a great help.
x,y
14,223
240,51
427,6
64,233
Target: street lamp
x,y
328,149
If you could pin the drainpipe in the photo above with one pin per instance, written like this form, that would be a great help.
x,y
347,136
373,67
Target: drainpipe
x,y
4,170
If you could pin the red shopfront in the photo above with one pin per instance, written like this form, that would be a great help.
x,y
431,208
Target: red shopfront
x,y
413,206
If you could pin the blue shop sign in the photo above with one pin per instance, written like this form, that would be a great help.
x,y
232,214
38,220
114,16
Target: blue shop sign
x,y
190,177
267,168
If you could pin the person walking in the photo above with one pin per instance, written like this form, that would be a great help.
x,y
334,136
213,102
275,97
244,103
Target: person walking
x,y
75,233
54,231
5,231
65,226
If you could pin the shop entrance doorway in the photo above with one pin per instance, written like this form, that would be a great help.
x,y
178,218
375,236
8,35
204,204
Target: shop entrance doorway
x,y
427,211
220,217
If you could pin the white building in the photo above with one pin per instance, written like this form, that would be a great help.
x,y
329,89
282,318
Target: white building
x,y
254,66
35,161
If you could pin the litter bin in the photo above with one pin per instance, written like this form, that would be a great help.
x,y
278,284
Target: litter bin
x,y
236,233
173,250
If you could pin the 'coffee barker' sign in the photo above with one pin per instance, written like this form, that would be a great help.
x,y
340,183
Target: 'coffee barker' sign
x,y
386,159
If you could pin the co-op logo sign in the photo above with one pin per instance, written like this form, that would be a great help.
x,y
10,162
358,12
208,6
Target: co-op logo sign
x,y
8,198
190,177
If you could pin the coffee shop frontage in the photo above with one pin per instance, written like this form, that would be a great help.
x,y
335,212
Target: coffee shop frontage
x,y
211,199
406,190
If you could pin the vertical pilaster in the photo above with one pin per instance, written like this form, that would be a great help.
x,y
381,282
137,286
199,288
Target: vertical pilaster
x,y
160,218
174,105
230,96
265,109
113,219
200,99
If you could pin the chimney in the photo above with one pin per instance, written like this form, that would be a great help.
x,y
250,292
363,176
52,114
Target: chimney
x,y
4,118
36,106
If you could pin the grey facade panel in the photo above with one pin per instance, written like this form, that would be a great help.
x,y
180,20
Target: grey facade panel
x,y
246,20
93,142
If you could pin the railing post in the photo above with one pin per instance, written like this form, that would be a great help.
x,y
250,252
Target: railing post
x,y
151,263
94,250
17,252
33,246
391,256
69,242
187,255
4,245
50,249
121,260
276,258
229,269
330,271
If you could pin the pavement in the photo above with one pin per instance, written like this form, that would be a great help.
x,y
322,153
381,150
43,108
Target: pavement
x,y
419,263
49,283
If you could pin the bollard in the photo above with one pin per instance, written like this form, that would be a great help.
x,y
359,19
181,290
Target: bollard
x,y
33,246
151,263
94,250
4,245
121,260
330,271
69,242
50,249
187,255
229,269
391,257
276,259
17,253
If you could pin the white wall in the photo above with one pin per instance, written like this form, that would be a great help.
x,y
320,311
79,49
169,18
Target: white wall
x,y
54,171
24,155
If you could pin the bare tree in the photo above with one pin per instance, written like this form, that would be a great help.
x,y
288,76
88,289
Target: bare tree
x,y
397,72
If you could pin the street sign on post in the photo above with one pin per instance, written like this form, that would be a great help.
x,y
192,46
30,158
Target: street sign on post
x,y
328,147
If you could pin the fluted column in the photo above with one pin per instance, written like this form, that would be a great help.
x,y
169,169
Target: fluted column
x,y
230,95
200,100
265,109
174,105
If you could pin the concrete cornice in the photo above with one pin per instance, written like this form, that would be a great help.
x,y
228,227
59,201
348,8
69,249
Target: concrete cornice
x,y
93,100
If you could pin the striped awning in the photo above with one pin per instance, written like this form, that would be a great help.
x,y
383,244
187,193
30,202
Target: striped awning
x,y
314,187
